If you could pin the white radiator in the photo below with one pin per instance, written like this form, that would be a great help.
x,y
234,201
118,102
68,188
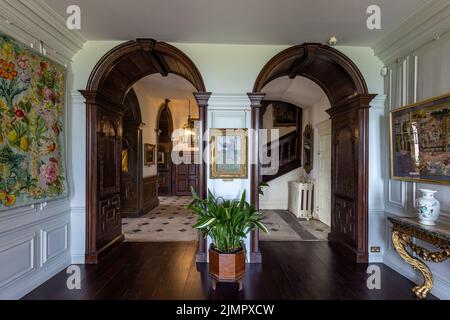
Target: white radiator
x,y
301,199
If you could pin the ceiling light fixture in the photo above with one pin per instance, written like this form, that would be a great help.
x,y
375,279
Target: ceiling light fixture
x,y
332,41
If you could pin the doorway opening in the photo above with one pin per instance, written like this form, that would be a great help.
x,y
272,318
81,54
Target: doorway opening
x,y
347,93
109,84
169,128
296,201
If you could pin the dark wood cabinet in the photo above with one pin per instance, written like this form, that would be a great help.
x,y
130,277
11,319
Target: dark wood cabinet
x,y
150,193
109,226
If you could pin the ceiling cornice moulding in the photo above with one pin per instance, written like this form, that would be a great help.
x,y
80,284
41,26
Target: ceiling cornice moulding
x,y
34,21
423,27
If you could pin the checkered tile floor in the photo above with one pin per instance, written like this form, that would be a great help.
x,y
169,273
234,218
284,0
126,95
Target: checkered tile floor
x,y
170,221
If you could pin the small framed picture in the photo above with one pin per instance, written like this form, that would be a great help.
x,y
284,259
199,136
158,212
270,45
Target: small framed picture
x,y
149,153
284,114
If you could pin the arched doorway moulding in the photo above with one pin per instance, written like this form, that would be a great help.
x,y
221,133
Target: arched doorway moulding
x,y
347,91
107,89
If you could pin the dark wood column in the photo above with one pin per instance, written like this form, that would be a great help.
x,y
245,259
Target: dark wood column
x,y
202,101
91,177
349,181
255,174
104,128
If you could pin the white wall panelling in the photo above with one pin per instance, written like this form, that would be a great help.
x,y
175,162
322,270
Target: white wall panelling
x,y
418,69
34,245
377,167
19,254
230,111
76,163
54,241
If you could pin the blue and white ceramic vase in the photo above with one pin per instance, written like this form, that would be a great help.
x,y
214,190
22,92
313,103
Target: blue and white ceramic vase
x,y
428,208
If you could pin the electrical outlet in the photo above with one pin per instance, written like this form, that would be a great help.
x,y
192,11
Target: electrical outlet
x,y
375,249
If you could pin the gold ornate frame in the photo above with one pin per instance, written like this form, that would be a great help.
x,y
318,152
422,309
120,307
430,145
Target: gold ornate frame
x,y
391,144
243,171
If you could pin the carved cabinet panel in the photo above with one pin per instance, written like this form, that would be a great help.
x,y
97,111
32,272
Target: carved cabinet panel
x,y
108,174
349,181
131,173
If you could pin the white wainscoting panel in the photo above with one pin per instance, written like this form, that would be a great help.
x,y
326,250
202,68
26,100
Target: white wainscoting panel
x,y
54,241
17,257
230,112
34,246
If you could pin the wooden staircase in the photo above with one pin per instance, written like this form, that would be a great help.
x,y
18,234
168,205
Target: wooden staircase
x,y
289,155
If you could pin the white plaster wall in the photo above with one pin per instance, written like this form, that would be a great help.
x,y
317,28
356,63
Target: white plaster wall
x,y
276,194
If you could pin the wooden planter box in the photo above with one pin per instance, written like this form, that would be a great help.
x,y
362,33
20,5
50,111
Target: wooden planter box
x,y
226,267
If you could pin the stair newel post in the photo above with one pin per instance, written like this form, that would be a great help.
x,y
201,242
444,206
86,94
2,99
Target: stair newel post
x,y
255,104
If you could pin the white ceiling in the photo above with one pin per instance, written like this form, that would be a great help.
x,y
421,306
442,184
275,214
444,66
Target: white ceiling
x,y
171,87
238,21
300,91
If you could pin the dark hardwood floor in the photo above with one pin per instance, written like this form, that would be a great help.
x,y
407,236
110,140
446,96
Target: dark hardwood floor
x,y
290,270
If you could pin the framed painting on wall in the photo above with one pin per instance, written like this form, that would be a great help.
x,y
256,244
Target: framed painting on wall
x,y
420,141
308,148
284,114
229,154
149,152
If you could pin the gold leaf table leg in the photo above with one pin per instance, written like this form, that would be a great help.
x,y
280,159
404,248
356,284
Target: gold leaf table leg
x,y
401,241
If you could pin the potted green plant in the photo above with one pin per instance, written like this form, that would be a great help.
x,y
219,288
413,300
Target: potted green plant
x,y
227,223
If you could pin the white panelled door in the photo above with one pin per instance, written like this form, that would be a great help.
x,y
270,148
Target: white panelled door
x,y
324,179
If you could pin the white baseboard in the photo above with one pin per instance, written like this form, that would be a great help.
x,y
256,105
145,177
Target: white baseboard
x,y
273,205
375,258
20,288
441,287
78,259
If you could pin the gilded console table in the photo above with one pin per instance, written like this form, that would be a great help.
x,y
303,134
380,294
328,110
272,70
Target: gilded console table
x,y
404,230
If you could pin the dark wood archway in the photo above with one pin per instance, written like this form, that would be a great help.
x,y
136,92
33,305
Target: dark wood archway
x,y
347,91
164,128
106,93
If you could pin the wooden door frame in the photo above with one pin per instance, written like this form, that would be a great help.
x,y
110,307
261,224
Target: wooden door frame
x,y
323,129
132,123
347,92
108,85
170,164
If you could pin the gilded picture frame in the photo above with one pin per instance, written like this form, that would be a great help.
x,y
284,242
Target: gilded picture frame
x,y
419,136
229,154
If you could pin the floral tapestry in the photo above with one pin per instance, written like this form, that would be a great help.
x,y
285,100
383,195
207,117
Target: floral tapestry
x,y
32,167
